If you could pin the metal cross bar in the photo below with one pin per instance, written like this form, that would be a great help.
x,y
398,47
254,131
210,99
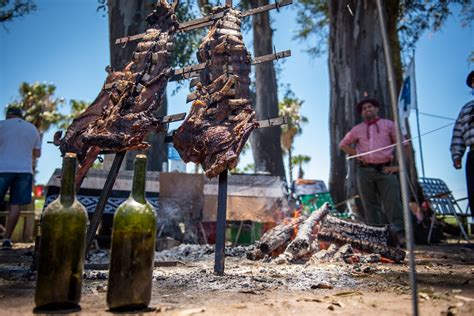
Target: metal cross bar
x,y
208,20
172,118
273,122
270,57
277,5
104,196
193,70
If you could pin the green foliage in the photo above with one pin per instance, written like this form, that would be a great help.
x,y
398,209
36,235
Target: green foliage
x,y
312,17
415,18
96,165
300,160
249,168
77,107
39,105
12,9
186,43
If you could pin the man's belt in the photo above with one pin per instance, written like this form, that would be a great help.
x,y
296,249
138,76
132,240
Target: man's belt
x,y
377,166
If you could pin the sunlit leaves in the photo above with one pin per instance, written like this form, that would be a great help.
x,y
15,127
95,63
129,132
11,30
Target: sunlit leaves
x,y
40,106
300,160
12,9
415,18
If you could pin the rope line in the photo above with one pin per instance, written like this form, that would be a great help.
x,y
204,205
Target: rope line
x,y
403,142
437,116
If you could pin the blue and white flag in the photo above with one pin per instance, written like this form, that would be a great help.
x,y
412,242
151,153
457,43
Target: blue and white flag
x,y
407,97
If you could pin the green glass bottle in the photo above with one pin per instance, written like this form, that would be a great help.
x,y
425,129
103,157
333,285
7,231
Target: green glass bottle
x,y
133,248
61,257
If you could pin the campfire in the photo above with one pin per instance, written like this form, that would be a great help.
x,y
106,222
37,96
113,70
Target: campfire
x,y
323,237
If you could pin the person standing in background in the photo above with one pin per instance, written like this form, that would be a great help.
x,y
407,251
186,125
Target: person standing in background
x,y
377,180
463,137
20,143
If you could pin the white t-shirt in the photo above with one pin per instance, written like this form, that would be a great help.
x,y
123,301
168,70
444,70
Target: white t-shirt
x,y
18,138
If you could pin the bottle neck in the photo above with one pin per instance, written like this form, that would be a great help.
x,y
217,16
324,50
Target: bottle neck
x,y
139,179
67,194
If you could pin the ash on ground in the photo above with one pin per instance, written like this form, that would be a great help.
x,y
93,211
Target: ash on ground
x,y
189,252
193,270
243,275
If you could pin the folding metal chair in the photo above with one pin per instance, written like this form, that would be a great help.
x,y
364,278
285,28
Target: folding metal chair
x,y
312,194
442,202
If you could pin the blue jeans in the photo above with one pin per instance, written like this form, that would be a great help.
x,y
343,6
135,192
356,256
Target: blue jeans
x,y
470,180
381,198
20,185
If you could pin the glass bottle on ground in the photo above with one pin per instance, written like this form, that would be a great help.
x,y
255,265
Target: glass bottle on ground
x,y
62,248
132,248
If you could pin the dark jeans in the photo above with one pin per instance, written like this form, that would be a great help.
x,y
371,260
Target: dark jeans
x,y
470,180
20,185
381,198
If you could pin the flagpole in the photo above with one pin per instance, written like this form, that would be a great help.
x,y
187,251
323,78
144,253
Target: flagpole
x,y
418,123
419,143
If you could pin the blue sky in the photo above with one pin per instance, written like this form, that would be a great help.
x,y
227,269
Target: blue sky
x,y
66,43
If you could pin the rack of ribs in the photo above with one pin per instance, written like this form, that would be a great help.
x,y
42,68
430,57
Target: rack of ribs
x,y
122,115
221,116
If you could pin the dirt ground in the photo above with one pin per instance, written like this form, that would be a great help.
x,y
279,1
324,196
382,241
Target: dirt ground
x,y
445,283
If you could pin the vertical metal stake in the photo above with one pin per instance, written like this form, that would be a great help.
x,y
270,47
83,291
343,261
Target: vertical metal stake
x,y
104,196
221,224
401,161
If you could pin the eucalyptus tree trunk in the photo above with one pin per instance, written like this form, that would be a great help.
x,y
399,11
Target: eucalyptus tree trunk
x,y
266,148
128,18
356,67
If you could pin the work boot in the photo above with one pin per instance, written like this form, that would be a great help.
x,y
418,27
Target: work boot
x,y
7,244
396,239
401,240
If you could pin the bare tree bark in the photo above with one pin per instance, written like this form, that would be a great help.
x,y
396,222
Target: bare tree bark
x,y
128,18
266,148
357,66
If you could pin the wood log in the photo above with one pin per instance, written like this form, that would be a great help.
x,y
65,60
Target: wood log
x,y
275,238
372,234
255,254
329,235
301,245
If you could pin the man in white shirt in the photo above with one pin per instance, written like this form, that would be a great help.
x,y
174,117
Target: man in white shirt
x,y
20,143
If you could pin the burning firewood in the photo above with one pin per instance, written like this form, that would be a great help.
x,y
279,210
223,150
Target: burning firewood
x,y
122,115
275,238
221,117
351,229
323,229
329,235
302,244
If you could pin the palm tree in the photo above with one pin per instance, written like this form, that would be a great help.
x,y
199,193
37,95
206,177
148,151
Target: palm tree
x,y
290,107
39,105
300,160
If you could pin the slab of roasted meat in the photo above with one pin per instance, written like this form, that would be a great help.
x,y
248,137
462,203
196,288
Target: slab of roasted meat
x,y
122,114
221,117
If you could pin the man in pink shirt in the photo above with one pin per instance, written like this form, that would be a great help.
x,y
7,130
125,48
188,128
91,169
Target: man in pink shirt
x,y
379,188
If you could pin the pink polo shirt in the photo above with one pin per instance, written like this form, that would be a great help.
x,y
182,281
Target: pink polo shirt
x,y
370,137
